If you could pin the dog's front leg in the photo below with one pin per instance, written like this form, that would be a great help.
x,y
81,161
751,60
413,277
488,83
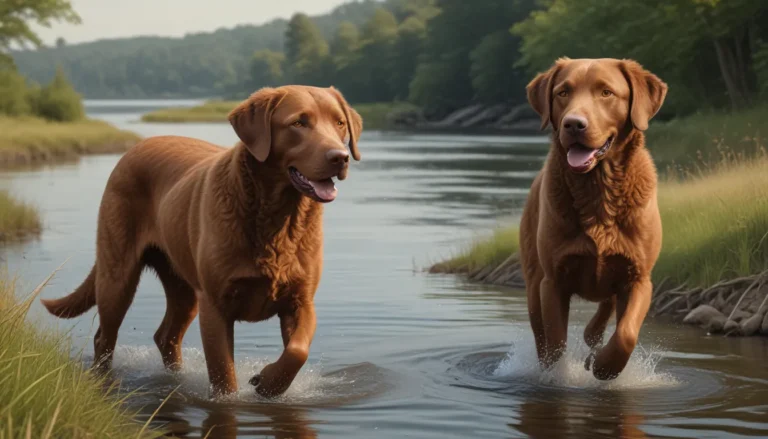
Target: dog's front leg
x,y
298,328
555,305
217,332
632,308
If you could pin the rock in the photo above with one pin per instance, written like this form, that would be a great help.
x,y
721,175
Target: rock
x,y
751,325
702,315
484,117
458,116
518,113
731,328
740,315
764,325
715,326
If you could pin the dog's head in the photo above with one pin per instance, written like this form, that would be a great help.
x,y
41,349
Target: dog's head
x,y
302,131
593,104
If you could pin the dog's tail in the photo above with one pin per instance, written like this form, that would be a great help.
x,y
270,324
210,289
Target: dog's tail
x,y
80,301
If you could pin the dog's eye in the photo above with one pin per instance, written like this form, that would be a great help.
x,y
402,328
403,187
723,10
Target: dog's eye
x,y
340,123
299,124
607,93
563,93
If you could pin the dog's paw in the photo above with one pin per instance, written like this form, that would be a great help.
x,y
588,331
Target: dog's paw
x,y
590,360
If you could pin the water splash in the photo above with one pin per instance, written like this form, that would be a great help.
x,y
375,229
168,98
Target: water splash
x,y
139,365
640,373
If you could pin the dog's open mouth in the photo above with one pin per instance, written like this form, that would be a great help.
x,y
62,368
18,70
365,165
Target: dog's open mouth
x,y
323,191
583,159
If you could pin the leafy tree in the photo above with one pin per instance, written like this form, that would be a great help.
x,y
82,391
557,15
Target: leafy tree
x,y
344,45
17,15
492,72
266,69
376,54
58,101
61,43
409,46
305,50
14,98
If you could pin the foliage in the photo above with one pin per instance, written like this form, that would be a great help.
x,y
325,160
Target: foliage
x,y
58,101
441,54
45,394
14,95
17,16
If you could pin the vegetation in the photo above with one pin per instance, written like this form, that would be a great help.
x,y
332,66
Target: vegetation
x,y
374,115
715,217
440,54
17,218
45,394
29,140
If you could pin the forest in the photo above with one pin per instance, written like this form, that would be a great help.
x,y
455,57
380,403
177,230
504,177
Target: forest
x,y
441,55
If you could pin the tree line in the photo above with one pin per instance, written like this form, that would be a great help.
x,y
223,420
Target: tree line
x,y
442,54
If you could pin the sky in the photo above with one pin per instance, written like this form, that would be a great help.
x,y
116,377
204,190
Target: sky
x,y
125,18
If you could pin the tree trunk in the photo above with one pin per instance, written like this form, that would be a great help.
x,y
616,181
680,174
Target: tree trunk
x,y
733,70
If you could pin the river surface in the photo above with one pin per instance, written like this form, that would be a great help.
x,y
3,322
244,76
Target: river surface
x,y
397,353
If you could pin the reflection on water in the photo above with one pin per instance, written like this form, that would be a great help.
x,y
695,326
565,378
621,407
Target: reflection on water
x,y
398,352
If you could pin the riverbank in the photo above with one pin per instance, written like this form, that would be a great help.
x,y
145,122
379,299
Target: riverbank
x,y
44,393
715,249
30,141
375,116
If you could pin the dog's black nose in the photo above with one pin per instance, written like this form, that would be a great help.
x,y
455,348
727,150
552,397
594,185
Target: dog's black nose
x,y
575,124
337,156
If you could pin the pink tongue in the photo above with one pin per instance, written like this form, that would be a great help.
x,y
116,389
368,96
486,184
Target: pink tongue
x,y
324,189
579,156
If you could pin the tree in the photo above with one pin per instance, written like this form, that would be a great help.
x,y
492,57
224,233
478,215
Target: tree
x,y
345,43
694,34
14,96
58,101
451,36
492,71
16,16
409,46
61,43
374,64
266,69
305,50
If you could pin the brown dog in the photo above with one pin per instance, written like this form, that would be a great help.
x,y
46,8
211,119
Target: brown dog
x,y
591,224
235,233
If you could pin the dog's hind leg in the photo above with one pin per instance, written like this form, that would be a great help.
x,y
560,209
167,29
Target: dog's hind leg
x,y
181,309
118,268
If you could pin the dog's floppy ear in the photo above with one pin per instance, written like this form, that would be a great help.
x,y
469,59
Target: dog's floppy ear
x,y
354,123
647,93
252,121
539,92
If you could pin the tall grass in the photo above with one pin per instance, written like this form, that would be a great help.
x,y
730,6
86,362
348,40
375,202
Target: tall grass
x,y
374,115
29,140
45,394
17,218
702,138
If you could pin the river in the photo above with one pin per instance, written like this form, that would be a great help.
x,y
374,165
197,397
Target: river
x,y
397,353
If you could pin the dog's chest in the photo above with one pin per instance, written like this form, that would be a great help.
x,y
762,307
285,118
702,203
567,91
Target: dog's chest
x,y
603,268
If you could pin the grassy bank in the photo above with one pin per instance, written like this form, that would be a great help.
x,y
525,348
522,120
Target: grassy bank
x,y
28,140
374,115
714,216
45,394
706,137
18,219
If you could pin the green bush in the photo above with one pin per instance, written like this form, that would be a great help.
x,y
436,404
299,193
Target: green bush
x,y
58,101
13,94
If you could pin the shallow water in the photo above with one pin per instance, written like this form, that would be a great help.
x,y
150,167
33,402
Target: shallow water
x,y
398,353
